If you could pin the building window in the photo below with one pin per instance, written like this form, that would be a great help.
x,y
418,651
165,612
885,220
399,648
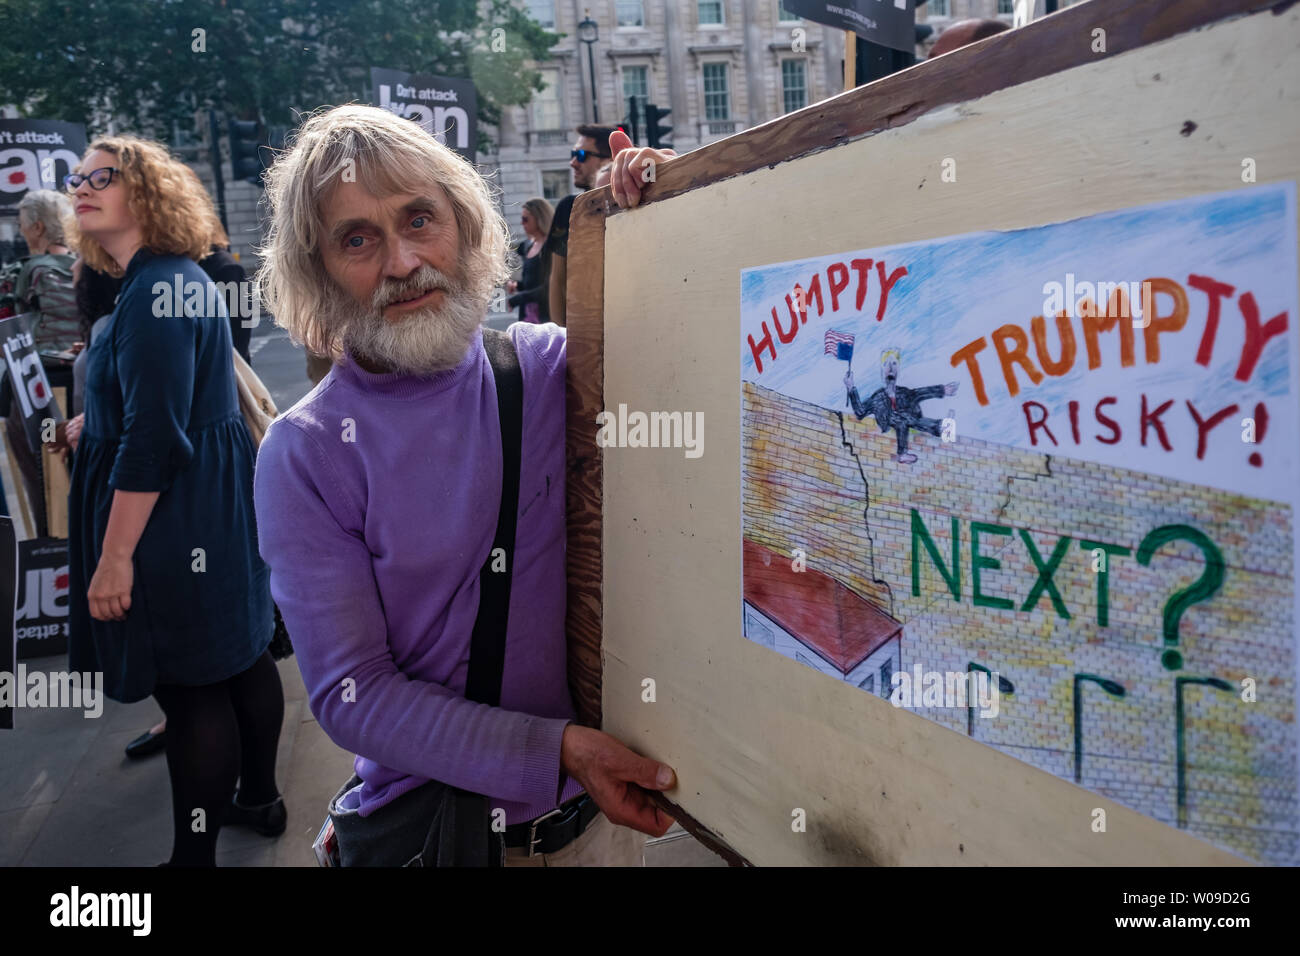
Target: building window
x,y
785,16
794,85
886,677
938,8
543,11
710,13
717,94
1006,7
636,91
547,114
630,13
555,184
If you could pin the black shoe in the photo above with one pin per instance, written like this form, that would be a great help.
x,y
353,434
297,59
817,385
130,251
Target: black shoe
x,y
269,820
146,744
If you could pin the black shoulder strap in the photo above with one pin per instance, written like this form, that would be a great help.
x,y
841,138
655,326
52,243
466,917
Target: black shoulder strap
x,y
487,650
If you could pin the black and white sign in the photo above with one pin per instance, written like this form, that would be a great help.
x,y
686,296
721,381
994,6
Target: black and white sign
x,y
890,23
446,106
31,389
36,154
41,616
8,584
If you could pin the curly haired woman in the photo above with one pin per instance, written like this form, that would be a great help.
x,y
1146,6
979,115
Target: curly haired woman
x,y
168,595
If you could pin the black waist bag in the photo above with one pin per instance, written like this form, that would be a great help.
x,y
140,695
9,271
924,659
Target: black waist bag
x,y
436,824
432,825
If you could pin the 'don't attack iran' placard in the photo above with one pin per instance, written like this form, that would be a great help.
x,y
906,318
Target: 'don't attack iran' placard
x,y
36,154
446,106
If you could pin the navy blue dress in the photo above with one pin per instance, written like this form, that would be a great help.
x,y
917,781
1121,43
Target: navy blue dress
x,y
162,414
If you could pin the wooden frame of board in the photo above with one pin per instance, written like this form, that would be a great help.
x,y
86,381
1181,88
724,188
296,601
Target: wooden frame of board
x,y
1060,42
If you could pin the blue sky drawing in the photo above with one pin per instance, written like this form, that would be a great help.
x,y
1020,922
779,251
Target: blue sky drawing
x,y
960,288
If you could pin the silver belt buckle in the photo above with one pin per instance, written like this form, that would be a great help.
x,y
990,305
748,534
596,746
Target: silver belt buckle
x,y
533,838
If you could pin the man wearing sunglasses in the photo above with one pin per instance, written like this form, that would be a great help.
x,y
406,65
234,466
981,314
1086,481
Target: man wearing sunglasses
x,y
589,154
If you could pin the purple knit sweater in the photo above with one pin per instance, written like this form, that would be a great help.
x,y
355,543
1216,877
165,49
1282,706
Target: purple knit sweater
x,y
377,499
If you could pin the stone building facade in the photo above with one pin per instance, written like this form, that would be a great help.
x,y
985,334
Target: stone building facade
x,y
720,68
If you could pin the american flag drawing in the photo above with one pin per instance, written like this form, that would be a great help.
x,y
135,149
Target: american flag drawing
x,y
839,344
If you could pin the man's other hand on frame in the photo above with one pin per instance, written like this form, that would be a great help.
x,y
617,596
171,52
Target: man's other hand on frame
x,y
629,167
616,778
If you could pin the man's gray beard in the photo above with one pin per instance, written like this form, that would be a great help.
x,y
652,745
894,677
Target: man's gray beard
x,y
422,343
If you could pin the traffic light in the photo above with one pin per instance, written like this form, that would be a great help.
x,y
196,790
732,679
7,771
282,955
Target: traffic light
x,y
632,126
655,134
923,31
245,138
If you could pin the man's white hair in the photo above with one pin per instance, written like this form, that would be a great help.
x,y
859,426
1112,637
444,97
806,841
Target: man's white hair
x,y
387,155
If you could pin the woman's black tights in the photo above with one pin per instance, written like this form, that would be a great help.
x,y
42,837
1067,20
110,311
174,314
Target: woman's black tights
x,y
218,733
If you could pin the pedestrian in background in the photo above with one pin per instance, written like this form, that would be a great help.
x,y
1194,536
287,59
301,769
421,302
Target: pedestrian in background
x,y
167,593
224,269
590,152
96,294
43,292
591,162
532,291
965,32
44,286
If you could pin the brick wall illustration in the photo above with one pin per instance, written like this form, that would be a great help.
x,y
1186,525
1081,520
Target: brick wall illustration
x,y
823,482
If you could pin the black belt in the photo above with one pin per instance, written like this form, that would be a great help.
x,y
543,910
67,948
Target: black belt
x,y
555,830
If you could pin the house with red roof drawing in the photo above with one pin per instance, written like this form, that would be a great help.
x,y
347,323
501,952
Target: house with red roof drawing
x,y
813,618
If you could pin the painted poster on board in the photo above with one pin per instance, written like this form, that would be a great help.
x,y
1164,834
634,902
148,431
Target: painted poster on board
x,y
1040,486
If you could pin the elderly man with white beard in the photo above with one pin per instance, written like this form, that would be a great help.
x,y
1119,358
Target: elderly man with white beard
x,y
377,506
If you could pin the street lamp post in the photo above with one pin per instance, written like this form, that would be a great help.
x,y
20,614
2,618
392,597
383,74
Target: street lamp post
x,y
589,33
1109,686
1179,683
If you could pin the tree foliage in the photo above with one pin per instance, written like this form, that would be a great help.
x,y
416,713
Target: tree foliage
x,y
144,65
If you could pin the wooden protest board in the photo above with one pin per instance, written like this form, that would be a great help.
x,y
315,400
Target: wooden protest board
x,y
16,492
683,589
57,481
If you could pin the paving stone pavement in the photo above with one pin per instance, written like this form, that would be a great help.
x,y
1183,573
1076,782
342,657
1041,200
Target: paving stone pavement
x,y
70,797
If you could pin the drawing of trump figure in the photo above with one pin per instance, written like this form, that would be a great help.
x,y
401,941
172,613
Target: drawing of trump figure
x,y
897,407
